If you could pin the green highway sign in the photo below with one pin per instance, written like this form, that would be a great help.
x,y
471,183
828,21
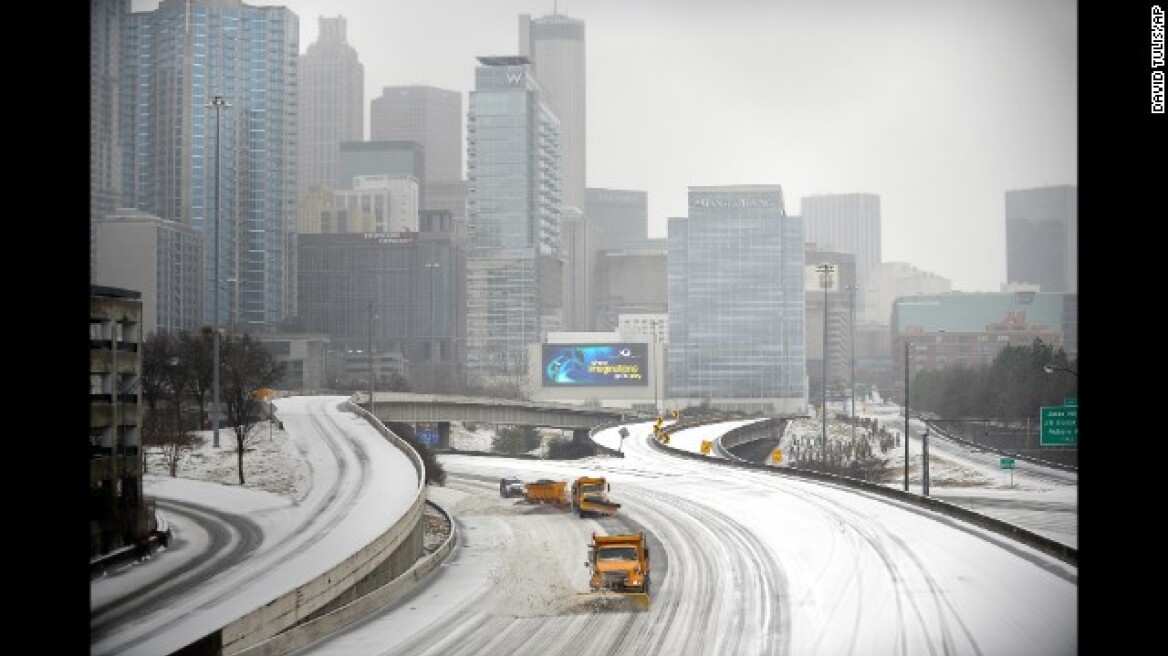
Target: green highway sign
x,y
1071,400
1059,425
1007,463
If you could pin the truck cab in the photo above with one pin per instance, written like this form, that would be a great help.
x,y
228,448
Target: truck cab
x,y
619,563
589,496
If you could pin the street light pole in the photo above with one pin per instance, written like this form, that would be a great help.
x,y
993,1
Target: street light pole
x,y
906,414
852,341
434,343
825,279
372,403
925,460
218,103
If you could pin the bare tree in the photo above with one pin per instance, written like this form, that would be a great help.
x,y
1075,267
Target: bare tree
x,y
172,443
247,368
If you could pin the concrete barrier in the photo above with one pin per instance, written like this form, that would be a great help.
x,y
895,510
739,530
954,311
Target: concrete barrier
x,y
299,605
1067,554
308,632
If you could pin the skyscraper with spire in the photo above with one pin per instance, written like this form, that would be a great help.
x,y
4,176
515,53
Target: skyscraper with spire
x,y
331,104
555,45
227,170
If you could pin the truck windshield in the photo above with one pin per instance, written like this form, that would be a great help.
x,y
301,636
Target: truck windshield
x,y
618,553
591,488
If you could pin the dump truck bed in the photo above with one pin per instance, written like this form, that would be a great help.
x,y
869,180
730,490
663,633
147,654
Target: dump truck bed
x,y
545,491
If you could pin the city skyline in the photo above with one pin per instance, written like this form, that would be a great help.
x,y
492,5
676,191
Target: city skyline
x,y
939,109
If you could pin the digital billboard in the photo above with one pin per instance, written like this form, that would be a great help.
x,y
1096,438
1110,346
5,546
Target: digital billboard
x,y
427,432
579,365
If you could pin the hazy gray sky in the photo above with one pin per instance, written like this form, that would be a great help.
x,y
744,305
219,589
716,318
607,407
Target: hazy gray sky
x,y
937,106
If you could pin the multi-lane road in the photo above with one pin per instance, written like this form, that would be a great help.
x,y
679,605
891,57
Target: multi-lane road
x,y
744,562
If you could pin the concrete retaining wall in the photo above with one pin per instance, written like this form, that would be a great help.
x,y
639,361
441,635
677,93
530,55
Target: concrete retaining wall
x,y
396,549
308,632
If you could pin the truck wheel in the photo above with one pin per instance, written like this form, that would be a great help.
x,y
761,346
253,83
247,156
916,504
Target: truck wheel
x,y
646,585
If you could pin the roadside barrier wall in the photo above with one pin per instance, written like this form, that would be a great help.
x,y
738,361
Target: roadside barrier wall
x,y
393,556
1065,553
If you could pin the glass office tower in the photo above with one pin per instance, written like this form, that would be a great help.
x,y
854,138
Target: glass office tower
x,y
736,303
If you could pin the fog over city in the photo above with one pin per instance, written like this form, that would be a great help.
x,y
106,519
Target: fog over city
x,y
939,108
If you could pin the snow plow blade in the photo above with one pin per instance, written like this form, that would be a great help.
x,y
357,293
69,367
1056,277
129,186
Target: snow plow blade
x,y
640,600
615,602
600,505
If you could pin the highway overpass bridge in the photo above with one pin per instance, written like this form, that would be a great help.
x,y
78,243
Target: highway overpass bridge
x,y
440,409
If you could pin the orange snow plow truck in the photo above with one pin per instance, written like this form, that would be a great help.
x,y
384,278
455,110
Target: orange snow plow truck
x,y
620,564
590,497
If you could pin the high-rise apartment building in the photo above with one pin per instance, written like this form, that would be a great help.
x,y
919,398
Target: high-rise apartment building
x,y
105,149
1042,237
846,223
736,325
227,170
514,259
555,45
427,115
331,103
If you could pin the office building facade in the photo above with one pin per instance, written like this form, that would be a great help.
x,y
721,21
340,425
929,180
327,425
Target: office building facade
x,y
970,329
427,115
1042,237
229,171
391,201
106,18
620,215
846,223
400,295
515,260
160,259
360,158
736,315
